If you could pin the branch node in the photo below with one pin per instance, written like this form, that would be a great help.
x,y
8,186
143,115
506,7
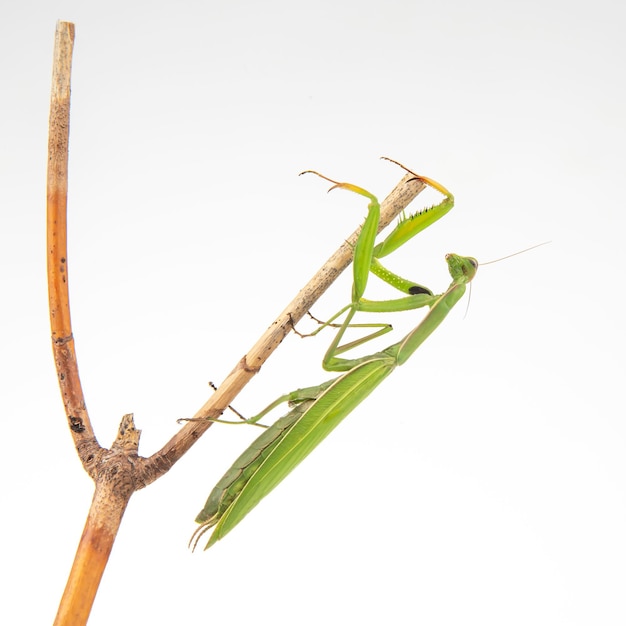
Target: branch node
x,y
60,341
243,364
127,438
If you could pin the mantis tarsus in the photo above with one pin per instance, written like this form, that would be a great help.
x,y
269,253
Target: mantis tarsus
x,y
318,410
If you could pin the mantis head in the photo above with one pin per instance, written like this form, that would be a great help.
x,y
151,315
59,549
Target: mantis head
x,y
462,268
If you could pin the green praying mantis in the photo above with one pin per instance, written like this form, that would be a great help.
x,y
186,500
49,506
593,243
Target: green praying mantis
x,y
319,409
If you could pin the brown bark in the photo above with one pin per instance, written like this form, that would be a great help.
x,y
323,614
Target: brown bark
x,y
114,476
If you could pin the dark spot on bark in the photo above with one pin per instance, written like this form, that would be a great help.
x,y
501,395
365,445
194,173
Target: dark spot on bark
x,y
76,424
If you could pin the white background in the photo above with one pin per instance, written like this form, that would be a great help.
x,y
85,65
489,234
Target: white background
x,y
484,482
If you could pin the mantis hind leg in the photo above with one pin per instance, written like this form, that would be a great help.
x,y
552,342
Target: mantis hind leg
x,y
383,328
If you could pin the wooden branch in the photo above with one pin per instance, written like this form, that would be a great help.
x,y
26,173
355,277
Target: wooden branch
x,y
58,284
112,469
250,364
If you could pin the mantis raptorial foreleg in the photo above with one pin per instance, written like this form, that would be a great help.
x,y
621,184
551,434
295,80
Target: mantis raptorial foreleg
x,y
365,260
366,254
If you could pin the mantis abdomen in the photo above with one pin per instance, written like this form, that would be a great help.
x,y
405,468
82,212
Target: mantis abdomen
x,y
236,478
